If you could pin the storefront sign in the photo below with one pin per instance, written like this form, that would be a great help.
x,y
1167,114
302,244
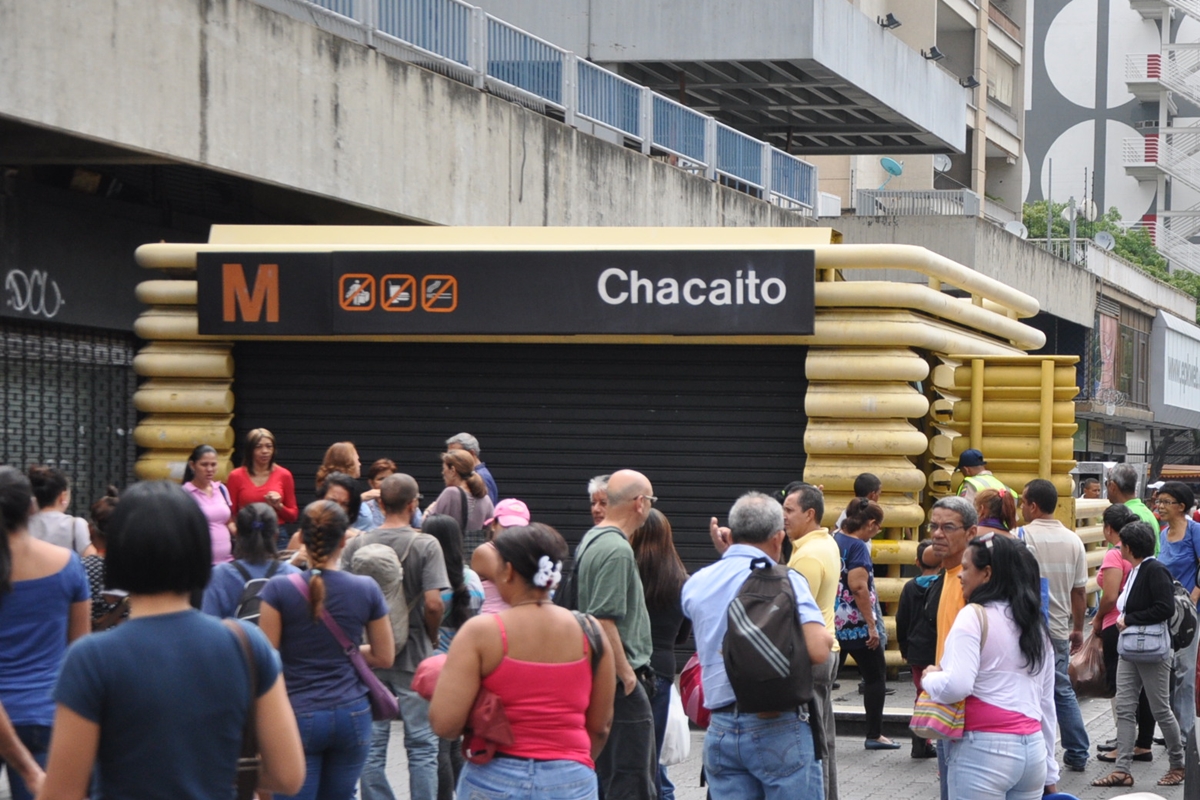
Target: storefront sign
x,y
1175,372
681,292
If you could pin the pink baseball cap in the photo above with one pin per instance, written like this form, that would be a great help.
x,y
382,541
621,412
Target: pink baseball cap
x,y
511,512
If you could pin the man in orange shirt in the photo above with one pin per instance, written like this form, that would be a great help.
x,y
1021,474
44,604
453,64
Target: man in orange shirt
x,y
952,523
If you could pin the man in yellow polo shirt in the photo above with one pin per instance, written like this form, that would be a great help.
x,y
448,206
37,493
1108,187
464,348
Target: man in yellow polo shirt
x,y
815,555
976,476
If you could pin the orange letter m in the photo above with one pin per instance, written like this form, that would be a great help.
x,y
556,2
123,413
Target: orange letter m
x,y
238,296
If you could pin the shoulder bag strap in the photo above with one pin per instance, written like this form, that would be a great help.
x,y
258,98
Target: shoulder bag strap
x,y
272,568
466,511
248,761
245,573
327,618
579,556
592,633
981,613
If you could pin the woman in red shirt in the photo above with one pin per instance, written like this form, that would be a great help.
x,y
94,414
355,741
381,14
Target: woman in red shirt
x,y
261,480
536,657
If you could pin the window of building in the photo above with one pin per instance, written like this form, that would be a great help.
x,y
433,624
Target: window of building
x,y
1001,80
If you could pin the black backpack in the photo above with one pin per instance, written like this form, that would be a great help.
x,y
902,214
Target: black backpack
x,y
567,593
1183,620
766,657
250,602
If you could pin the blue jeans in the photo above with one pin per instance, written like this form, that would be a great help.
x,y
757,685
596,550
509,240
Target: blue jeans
x,y
761,759
526,779
943,768
660,706
1070,722
335,748
36,739
420,743
997,766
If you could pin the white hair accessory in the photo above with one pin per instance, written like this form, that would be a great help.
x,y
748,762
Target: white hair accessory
x,y
549,573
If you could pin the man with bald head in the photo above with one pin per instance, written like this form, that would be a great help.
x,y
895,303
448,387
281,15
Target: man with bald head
x,y
610,589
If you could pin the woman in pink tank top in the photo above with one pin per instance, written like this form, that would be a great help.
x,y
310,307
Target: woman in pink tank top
x,y
556,689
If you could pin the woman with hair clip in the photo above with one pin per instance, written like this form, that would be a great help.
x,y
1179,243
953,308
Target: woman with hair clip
x,y
52,523
541,662
340,457
663,576
999,659
261,480
857,615
463,484
462,601
327,695
105,614
997,509
200,481
254,561
159,705
44,605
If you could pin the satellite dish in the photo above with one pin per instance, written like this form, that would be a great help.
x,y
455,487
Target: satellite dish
x,y
942,162
892,167
1090,212
1017,229
1069,212
1105,240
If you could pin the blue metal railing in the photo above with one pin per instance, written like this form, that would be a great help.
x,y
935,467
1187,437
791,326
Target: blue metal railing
x,y
462,42
678,129
439,26
608,98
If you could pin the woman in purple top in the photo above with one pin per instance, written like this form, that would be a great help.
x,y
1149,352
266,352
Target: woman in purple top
x,y
199,480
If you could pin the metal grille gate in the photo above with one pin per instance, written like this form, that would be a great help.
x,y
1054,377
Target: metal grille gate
x,y
68,403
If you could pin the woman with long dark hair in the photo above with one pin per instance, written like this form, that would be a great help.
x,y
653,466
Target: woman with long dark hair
x,y
254,559
463,483
261,480
663,576
998,658
162,700
462,600
327,695
105,613
857,615
44,605
200,481
52,523
538,659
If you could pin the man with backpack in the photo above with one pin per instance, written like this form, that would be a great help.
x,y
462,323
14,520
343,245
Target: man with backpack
x,y
423,574
757,663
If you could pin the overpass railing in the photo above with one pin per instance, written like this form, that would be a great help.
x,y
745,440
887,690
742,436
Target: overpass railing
x,y
463,42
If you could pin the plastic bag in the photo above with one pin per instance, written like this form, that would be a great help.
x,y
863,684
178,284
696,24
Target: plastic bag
x,y
677,740
1087,668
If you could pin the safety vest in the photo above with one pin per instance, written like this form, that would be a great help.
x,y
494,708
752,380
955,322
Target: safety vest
x,y
981,482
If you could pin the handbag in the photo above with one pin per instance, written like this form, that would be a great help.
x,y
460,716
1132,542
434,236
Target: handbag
x,y
1086,670
933,720
677,738
691,687
384,704
249,762
1145,644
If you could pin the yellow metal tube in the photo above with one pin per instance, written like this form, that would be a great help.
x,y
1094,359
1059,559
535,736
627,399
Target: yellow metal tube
x,y
837,474
1046,434
863,438
866,364
167,293
976,406
858,400
1012,411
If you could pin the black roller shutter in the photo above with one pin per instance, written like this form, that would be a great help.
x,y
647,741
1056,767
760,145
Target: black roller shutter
x,y
705,423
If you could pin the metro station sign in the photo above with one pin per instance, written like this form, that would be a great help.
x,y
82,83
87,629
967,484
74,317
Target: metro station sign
x,y
543,292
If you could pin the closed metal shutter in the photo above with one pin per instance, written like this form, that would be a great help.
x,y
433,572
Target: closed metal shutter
x,y
68,403
704,423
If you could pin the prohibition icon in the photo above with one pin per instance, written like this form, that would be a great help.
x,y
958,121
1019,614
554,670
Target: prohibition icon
x,y
439,293
356,292
398,293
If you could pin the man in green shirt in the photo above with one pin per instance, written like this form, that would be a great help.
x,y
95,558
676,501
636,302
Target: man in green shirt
x,y
610,589
1122,488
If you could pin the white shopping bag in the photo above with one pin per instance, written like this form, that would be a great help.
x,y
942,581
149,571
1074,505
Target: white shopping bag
x,y
677,741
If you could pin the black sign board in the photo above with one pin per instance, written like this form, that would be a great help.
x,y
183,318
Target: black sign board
x,y
681,292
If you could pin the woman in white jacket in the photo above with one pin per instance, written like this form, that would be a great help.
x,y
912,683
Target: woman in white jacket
x,y
999,660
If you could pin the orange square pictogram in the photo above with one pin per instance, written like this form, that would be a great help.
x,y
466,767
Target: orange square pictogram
x,y
356,292
439,293
398,292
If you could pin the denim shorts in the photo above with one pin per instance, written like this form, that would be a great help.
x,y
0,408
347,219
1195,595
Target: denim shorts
x,y
525,779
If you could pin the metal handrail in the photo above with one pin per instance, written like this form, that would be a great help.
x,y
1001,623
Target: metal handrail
x,y
462,42
917,202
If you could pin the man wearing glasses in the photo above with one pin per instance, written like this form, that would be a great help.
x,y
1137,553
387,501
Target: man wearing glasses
x,y
610,589
1063,562
1122,488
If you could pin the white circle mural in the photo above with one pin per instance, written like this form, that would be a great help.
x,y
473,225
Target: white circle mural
x,y
1070,54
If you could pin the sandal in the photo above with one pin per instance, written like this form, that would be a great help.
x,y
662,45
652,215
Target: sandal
x,y
1172,778
1119,779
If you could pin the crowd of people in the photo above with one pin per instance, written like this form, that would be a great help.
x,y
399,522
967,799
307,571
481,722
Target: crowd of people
x,y
519,671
